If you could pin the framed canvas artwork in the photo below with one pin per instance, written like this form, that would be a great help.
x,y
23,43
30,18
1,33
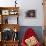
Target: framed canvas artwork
x,y
5,12
31,13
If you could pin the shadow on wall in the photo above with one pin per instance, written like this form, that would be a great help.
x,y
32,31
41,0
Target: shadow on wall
x,y
37,29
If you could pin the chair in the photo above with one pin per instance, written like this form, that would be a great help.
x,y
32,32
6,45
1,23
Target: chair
x,y
28,35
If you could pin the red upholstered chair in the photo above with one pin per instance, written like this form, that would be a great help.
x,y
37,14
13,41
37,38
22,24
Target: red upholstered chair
x,y
28,34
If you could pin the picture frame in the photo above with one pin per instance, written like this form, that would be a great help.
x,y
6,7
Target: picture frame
x,y
13,12
31,13
5,12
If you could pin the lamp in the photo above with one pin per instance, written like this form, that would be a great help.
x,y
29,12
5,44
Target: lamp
x,y
15,30
15,3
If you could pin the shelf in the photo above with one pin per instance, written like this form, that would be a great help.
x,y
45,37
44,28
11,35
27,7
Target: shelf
x,y
10,15
11,41
6,12
7,16
10,26
5,8
10,19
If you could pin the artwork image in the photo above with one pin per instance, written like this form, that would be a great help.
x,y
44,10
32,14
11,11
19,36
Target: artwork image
x,y
30,13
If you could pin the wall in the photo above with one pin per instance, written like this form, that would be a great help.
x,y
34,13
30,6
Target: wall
x,y
32,4
24,6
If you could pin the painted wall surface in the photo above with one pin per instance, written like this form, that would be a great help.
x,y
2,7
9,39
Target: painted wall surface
x,y
24,6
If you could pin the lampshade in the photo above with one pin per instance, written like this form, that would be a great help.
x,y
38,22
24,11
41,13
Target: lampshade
x,y
15,30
